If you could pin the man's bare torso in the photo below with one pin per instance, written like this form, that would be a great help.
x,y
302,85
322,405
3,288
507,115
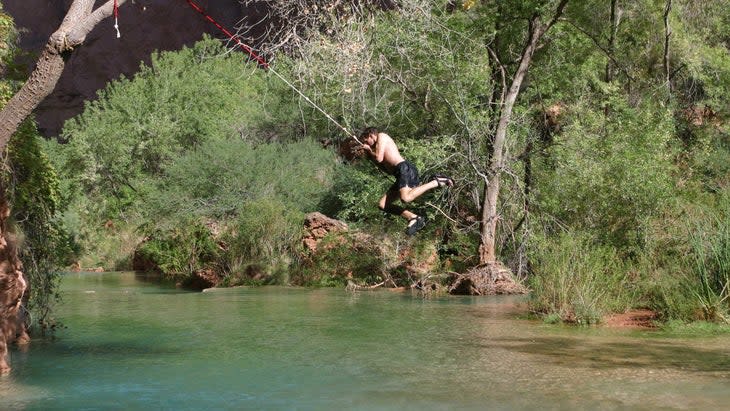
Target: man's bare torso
x,y
390,155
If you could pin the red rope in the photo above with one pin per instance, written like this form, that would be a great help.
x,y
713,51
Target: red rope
x,y
263,64
116,18
260,60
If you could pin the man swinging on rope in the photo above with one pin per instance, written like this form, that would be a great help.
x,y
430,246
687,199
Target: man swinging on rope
x,y
384,152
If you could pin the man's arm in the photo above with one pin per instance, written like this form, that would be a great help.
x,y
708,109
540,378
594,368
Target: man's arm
x,y
383,141
378,153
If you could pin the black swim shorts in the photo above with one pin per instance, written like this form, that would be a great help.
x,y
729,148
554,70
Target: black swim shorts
x,y
406,175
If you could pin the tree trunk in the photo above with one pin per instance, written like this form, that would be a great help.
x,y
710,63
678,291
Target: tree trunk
x,y
77,23
40,84
615,19
667,35
490,216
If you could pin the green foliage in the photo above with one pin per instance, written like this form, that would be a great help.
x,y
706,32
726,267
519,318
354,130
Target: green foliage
x,y
36,203
686,262
343,257
410,71
180,251
267,234
577,279
257,193
199,140
609,175
189,139
138,126
700,43
8,36
709,264
32,189
219,177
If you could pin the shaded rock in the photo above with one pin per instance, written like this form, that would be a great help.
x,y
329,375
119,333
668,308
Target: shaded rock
x,y
140,262
487,279
202,279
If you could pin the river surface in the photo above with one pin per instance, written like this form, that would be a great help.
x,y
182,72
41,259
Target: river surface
x,y
132,344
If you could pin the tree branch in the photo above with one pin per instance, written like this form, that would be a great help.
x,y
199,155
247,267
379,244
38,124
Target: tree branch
x,y
80,30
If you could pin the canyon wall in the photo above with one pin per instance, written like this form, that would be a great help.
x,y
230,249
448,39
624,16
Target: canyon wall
x,y
145,26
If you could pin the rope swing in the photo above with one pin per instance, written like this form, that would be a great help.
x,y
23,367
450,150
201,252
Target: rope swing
x,y
266,66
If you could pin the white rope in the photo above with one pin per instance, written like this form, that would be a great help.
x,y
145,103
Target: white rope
x,y
293,87
116,26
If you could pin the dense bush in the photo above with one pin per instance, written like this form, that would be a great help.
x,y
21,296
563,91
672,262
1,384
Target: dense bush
x,y
188,140
181,250
184,99
608,176
265,237
689,259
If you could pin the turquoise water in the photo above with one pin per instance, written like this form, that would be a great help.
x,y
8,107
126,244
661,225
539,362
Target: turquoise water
x,y
131,344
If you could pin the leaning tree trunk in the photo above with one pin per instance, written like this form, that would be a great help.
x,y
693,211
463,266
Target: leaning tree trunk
x,y
40,84
76,25
491,276
490,217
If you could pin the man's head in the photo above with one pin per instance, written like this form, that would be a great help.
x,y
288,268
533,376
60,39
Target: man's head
x,y
369,135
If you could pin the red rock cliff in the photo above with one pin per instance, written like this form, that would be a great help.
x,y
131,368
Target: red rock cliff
x,y
145,25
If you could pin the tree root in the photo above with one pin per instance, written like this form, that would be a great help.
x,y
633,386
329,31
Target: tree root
x,y
486,279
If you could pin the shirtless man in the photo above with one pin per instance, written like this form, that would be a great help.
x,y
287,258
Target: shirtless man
x,y
384,151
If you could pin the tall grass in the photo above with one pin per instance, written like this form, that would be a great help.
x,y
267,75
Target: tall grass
x,y
709,268
687,266
264,238
575,280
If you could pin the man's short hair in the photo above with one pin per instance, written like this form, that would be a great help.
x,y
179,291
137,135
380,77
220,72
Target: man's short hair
x,y
368,131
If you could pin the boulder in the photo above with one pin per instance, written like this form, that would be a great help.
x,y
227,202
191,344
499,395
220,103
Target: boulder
x,y
202,279
317,226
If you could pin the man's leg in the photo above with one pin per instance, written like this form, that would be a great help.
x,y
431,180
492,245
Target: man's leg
x,y
408,194
415,222
386,204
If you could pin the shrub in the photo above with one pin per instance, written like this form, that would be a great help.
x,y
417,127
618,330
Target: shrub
x,y
687,265
609,178
180,251
342,257
264,237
